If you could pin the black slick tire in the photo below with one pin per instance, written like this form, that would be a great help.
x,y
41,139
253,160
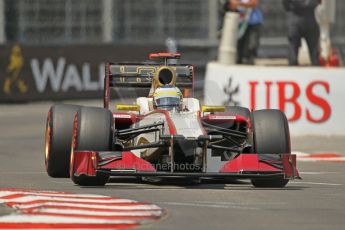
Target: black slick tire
x,y
271,136
93,132
58,137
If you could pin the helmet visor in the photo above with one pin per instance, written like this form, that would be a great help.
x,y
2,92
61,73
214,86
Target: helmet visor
x,y
167,101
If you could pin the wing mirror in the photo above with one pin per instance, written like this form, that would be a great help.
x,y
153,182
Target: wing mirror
x,y
128,107
212,109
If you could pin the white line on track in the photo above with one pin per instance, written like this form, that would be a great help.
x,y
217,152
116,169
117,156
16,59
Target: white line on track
x,y
318,159
61,182
241,204
314,183
317,173
210,205
21,172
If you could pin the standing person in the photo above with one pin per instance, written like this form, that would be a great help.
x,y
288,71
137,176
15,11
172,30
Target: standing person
x,y
249,28
302,23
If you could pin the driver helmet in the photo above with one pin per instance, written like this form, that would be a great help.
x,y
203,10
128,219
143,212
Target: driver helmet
x,y
167,97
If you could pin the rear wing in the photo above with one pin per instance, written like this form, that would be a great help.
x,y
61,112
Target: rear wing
x,y
142,76
148,75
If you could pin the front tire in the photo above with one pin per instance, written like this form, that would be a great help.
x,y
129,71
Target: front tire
x,y
271,136
93,128
58,136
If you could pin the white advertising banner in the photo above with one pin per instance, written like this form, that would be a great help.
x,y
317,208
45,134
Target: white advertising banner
x,y
313,99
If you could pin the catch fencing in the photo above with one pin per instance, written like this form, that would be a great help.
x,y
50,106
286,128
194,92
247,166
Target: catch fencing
x,y
191,22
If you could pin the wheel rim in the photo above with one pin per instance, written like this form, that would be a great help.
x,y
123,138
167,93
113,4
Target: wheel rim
x,y
73,145
71,166
47,142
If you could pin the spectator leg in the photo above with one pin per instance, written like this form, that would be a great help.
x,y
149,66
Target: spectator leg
x,y
253,43
312,38
294,38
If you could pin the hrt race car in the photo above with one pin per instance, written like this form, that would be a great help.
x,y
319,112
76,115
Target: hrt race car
x,y
167,134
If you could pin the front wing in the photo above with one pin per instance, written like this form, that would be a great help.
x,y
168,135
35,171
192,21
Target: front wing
x,y
244,166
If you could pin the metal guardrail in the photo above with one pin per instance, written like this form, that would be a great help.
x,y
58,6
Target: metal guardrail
x,y
60,22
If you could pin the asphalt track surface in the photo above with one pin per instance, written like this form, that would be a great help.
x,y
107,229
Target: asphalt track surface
x,y
316,202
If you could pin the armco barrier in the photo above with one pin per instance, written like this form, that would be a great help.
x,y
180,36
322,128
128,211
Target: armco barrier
x,y
313,98
61,72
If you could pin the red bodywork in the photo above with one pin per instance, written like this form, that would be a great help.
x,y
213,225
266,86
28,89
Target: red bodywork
x,y
159,56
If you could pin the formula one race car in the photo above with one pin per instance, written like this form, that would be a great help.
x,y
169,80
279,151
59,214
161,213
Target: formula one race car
x,y
167,134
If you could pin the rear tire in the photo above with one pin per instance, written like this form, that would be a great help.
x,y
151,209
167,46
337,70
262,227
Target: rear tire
x,y
271,136
94,132
59,129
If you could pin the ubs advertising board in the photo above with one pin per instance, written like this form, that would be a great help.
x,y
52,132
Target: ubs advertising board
x,y
62,72
313,98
